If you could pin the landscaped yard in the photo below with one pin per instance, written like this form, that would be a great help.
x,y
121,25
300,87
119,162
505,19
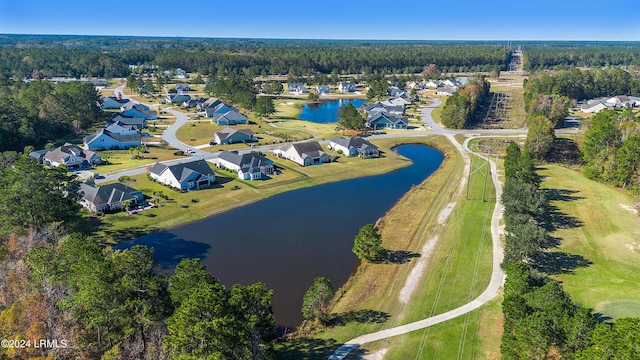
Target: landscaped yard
x,y
598,257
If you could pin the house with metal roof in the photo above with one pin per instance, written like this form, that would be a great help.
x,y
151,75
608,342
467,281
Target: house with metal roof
x,y
190,175
112,197
354,146
251,166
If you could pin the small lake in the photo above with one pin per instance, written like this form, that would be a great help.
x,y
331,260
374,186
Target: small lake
x,y
326,110
287,240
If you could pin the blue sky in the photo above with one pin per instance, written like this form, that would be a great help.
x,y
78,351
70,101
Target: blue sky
x,y
329,19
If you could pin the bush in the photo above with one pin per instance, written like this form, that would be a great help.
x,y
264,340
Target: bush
x,y
179,153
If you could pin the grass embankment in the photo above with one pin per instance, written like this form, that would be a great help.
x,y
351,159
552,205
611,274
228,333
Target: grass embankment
x,y
370,302
230,192
598,258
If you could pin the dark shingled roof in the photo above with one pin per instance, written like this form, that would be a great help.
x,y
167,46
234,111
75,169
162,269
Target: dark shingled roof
x,y
351,142
183,169
247,162
107,194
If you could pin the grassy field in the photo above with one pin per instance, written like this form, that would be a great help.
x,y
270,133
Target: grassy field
x,y
458,270
121,159
231,192
598,257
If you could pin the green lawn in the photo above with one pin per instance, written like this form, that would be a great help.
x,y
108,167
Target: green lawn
x,y
450,280
121,159
598,257
181,208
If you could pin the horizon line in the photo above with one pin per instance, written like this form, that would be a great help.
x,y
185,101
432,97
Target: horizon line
x,y
313,39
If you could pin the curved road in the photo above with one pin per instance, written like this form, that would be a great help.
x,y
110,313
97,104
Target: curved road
x,y
497,275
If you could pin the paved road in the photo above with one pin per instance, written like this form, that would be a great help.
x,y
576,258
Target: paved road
x,y
497,275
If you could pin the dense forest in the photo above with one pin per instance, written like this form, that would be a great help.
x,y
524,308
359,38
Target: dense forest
x,y
567,58
39,112
540,319
35,57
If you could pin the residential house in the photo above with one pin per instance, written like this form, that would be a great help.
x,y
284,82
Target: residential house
x,y
189,175
112,197
381,107
297,89
225,115
384,120
346,86
181,74
137,122
208,103
417,85
177,98
138,110
446,90
193,102
354,146
303,154
323,89
72,157
181,88
233,136
595,106
251,166
115,136
111,102
451,83
434,84
395,91
397,101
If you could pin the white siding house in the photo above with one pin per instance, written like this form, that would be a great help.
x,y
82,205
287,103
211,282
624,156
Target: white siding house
x,y
185,175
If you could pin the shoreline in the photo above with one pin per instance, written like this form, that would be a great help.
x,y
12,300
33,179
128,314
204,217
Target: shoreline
x,y
152,225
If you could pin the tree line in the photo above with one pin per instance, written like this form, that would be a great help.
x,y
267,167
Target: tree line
x,y
39,112
465,106
540,319
598,56
57,282
111,57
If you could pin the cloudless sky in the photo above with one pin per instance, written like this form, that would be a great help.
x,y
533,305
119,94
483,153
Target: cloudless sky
x,y
329,19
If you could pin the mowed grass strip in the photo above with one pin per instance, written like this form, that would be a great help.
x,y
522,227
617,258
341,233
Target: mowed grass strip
x,y
374,288
598,257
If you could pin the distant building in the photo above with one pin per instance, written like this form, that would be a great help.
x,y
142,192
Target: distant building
x,y
347,86
297,89
323,89
115,136
112,102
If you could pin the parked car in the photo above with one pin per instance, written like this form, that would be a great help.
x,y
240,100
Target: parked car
x,y
213,143
98,176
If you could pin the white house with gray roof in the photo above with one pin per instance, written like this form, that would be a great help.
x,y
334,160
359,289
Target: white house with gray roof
x,y
115,136
110,197
354,146
233,136
190,175
303,154
347,86
70,156
251,166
